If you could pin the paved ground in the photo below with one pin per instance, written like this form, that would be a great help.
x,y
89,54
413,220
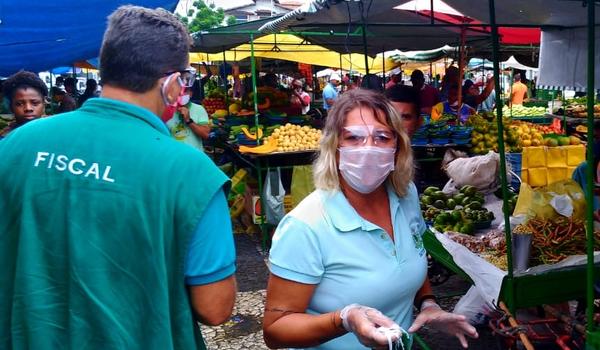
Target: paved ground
x,y
243,331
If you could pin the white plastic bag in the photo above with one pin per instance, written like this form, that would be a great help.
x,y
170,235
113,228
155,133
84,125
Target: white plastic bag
x,y
274,194
486,277
479,171
472,306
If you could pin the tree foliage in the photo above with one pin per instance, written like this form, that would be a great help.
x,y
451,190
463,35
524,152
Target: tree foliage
x,y
203,17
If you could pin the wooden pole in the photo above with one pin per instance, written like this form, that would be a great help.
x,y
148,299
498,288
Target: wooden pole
x,y
461,66
513,323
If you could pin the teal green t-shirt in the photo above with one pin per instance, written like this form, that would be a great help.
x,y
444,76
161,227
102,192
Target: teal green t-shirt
x,y
98,210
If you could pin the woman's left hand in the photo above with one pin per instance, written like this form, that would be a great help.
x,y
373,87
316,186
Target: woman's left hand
x,y
447,322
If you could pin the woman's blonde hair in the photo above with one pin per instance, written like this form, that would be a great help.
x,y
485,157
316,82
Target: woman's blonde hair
x,y
325,167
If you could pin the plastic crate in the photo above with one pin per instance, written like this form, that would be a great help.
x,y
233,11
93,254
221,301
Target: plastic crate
x,y
420,142
440,141
461,141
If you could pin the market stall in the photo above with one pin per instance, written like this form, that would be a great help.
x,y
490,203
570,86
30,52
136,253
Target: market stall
x,y
517,290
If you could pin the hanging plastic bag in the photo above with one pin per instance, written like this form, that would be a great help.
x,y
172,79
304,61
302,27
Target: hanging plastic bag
x,y
274,194
559,198
480,171
487,280
302,183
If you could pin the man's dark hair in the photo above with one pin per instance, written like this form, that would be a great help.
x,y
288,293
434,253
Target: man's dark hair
x,y
140,45
56,91
23,80
70,82
517,77
417,74
372,82
404,93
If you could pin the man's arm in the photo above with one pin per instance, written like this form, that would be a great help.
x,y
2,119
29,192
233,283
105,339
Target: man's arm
x,y
304,99
328,96
191,119
213,303
489,87
210,264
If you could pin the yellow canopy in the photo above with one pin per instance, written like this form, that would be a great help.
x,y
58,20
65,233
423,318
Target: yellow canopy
x,y
292,48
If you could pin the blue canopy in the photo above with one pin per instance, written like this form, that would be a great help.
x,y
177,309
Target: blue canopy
x,y
38,35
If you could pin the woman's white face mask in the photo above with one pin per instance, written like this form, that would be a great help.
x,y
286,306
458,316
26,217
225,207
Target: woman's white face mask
x,y
365,168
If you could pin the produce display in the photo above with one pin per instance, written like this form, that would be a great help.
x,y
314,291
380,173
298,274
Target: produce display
x,y
484,137
577,108
267,97
286,138
213,104
522,111
517,134
554,240
292,138
462,212
440,132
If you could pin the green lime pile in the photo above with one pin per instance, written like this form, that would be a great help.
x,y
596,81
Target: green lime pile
x,y
461,212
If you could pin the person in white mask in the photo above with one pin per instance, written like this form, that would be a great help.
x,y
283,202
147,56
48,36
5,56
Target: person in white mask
x,y
189,121
348,263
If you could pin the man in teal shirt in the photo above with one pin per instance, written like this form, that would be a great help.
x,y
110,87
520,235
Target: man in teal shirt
x,y
113,235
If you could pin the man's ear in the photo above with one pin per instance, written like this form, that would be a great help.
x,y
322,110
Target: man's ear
x,y
171,87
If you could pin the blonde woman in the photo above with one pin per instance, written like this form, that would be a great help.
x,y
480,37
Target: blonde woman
x,y
348,263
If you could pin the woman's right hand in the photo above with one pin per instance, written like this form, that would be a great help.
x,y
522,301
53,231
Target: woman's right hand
x,y
367,324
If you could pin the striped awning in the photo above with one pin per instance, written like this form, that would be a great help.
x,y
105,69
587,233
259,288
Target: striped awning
x,y
283,22
423,55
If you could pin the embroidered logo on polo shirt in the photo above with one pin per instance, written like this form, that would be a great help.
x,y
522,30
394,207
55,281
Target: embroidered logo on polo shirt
x,y
417,238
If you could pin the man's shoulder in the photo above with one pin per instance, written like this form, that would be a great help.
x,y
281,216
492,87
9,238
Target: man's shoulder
x,y
431,89
329,89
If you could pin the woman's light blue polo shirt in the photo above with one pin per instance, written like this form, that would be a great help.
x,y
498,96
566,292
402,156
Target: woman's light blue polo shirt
x,y
324,241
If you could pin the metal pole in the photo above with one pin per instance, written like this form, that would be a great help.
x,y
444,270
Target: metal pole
x,y
258,164
383,65
225,81
590,171
365,50
461,68
431,14
504,182
50,92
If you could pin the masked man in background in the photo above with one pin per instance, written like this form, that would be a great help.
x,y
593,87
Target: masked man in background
x,y
187,121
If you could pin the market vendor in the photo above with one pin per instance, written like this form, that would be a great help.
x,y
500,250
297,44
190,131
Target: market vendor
x,y
450,107
64,102
580,173
518,92
405,100
428,95
25,93
300,99
471,94
330,92
189,123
